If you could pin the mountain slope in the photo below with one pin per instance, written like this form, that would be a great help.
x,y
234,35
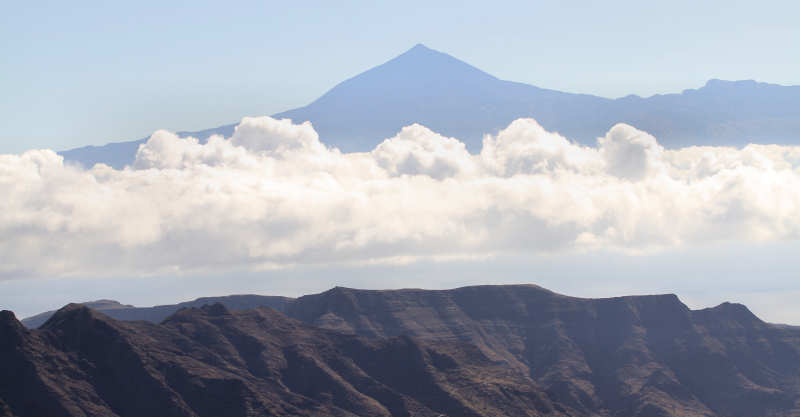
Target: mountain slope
x,y
213,362
458,100
486,350
646,355
438,91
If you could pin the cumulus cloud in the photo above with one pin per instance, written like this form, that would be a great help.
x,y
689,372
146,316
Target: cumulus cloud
x,y
417,150
273,195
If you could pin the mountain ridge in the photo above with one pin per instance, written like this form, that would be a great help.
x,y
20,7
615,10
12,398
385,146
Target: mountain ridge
x,y
474,351
155,314
459,100
158,313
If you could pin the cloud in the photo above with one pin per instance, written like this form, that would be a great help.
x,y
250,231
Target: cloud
x,y
630,153
273,196
417,150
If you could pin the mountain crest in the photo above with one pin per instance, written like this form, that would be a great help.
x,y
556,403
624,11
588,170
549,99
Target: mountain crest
x,y
736,312
456,99
416,73
76,315
11,330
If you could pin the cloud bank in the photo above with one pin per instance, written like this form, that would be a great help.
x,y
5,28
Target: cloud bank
x,y
273,196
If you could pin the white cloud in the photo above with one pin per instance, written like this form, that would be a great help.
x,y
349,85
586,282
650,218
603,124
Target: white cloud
x,y
417,150
630,153
273,195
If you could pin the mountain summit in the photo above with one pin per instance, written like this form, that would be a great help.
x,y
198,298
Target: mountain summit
x,y
458,100
427,87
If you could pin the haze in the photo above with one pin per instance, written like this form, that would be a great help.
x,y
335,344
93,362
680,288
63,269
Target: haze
x,y
86,73
582,201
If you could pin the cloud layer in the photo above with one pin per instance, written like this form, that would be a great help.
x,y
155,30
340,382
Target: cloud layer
x,y
273,195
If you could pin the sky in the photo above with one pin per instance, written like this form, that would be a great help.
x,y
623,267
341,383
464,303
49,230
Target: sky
x,y
80,73
274,211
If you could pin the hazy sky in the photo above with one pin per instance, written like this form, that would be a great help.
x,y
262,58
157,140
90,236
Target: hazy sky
x,y
763,277
77,73
273,211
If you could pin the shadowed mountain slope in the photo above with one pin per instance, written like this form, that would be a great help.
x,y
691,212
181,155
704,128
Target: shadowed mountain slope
x,y
486,350
214,362
458,100
642,355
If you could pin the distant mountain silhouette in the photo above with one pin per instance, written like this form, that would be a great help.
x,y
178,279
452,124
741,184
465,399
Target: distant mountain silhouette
x,y
515,350
456,99
158,313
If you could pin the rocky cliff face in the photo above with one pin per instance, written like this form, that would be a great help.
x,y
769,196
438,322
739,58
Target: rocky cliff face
x,y
647,355
476,351
214,362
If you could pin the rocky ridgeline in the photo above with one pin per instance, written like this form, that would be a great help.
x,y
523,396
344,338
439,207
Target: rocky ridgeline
x,y
474,351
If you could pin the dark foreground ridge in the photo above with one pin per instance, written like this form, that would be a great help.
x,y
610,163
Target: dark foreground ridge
x,y
474,351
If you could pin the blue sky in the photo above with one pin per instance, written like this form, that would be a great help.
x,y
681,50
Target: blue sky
x,y
79,73
182,227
